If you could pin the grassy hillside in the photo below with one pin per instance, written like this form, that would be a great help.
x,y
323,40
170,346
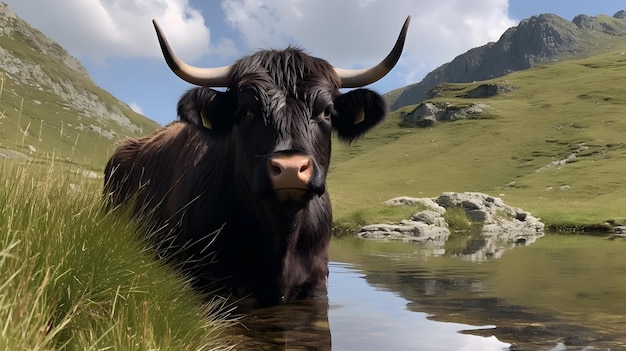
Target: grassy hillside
x,y
554,110
49,110
37,123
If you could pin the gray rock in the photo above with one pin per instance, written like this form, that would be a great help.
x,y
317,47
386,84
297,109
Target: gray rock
x,y
477,215
413,201
503,226
408,231
427,113
469,205
488,90
430,217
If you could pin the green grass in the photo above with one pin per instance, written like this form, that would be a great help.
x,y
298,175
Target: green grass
x,y
457,219
555,110
77,278
375,213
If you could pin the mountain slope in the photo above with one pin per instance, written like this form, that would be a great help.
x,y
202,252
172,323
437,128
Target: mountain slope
x,y
554,145
539,39
49,105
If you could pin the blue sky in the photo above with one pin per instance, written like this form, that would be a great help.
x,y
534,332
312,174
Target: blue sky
x,y
115,40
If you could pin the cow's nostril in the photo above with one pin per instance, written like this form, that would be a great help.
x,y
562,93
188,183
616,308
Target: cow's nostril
x,y
305,166
275,170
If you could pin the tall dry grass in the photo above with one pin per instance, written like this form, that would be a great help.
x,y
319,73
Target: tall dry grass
x,y
77,278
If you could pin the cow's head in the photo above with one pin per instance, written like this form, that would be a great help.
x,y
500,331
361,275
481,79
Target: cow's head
x,y
281,107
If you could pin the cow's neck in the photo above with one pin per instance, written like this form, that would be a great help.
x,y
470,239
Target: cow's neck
x,y
281,226
278,235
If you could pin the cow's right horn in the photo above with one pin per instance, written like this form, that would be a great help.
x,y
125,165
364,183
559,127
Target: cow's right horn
x,y
208,77
356,78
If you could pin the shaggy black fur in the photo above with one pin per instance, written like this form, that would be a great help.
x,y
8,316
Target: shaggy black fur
x,y
204,188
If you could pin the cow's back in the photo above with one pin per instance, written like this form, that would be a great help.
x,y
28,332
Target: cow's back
x,y
174,179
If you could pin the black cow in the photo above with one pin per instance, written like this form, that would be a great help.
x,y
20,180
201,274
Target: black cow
x,y
236,190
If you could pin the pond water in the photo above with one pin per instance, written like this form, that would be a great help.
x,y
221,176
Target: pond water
x,y
562,292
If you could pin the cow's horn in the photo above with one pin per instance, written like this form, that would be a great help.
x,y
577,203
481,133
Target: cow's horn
x,y
354,78
209,77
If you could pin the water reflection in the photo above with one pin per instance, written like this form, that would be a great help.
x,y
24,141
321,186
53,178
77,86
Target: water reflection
x,y
360,318
302,325
561,293
363,318
479,247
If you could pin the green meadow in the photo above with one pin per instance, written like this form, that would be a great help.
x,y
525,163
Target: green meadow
x,y
510,150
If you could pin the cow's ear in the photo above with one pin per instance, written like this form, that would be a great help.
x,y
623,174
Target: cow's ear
x,y
356,112
207,109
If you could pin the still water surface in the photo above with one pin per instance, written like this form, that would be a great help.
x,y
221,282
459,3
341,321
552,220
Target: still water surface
x,y
562,292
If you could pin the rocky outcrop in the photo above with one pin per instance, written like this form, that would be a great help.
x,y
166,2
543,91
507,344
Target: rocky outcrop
x,y
488,90
539,39
501,226
12,26
427,113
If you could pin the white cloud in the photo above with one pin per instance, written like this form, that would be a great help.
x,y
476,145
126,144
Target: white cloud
x,y
135,107
362,31
224,47
348,33
97,29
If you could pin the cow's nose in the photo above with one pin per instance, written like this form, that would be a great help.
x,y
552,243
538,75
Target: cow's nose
x,y
291,171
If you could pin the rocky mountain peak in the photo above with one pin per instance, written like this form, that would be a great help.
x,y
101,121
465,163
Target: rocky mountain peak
x,y
539,39
11,26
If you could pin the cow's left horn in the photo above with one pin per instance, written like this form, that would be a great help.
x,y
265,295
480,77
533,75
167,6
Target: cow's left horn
x,y
354,78
209,77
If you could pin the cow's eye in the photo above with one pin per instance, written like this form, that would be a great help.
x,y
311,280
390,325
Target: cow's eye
x,y
327,113
249,114
245,114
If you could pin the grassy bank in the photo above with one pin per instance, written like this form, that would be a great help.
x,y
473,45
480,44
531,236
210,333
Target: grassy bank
x,y
75,278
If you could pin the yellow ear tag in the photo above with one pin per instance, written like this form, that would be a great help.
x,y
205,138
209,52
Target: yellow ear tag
x,y
205,121
359,117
